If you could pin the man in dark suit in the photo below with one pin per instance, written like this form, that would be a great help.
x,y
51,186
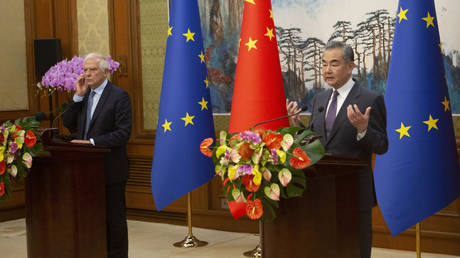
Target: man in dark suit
x,y
100,113
345,130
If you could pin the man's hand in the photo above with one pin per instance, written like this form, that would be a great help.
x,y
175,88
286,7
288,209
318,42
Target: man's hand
x,y
292,108
357,119
81,86
81,141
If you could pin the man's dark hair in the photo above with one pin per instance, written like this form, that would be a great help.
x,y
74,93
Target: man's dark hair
x,y
348,53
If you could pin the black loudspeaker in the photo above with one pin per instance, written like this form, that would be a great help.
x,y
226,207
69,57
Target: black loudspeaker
x,y
47,54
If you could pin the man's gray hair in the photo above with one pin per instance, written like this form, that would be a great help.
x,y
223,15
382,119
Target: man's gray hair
x,y
103,63
348,53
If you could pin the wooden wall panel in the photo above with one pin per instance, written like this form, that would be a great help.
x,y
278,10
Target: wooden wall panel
x,y
43,19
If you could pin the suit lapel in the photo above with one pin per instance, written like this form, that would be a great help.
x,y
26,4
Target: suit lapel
x,y
342,116
100,105
322,103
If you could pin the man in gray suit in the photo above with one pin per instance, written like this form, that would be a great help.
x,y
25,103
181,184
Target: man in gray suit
x,y
337,117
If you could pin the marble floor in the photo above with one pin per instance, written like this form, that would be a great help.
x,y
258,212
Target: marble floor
x,y
154,240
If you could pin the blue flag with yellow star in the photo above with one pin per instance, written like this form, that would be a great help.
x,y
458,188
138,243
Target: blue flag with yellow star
x,y
185,114
419,175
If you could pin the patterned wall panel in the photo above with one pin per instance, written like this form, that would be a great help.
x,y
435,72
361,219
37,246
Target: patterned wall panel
x,y
13,65
154,27
93,27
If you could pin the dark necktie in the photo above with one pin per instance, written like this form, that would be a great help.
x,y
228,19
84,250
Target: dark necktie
x,y
88,113
331,113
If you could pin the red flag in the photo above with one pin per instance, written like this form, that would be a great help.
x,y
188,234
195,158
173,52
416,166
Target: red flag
x,y
258,93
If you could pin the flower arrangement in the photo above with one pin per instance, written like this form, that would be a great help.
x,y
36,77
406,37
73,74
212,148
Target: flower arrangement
x,y
18,144
63,75
258,167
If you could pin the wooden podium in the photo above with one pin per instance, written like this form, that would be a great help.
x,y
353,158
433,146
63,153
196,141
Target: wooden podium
x,y
65,202
325,221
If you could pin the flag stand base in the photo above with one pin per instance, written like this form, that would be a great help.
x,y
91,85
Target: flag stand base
x,y
256,252
190,240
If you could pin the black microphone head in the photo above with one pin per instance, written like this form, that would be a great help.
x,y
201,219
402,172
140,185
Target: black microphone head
x,y
304,108
320,109
40,116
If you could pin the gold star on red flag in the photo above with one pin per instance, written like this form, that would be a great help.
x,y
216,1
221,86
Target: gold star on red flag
x,y
258,80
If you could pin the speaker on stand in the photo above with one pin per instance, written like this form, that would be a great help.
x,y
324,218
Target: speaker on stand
x,y
47,53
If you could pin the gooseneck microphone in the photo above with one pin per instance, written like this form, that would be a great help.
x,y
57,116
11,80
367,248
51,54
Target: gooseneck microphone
x,y
58,116
303,109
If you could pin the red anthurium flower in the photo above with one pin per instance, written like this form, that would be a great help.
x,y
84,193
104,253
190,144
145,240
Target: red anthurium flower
x,y
2,138
300,159
2,188
249,183
30,139
2,167
236,136
204,146
18,128
254,209
273,140
245,150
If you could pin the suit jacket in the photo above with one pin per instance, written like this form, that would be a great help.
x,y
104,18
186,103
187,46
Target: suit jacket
x,y
342,140
110,126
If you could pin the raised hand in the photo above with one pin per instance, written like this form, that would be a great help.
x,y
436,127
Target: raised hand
x,y
358,119
81,86
292,108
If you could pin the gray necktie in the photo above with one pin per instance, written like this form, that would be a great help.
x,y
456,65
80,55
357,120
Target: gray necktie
x,y
88,113
331,113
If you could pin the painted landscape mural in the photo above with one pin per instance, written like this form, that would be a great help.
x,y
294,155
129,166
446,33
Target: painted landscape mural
x,y
303,27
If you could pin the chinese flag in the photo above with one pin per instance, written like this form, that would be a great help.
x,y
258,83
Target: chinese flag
x,y
258,93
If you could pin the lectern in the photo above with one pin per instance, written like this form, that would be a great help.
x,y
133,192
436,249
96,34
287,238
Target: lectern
x,y
65,202
324,222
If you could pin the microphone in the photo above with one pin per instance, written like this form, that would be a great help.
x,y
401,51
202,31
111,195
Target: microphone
x,y
303,109
320,109
58,116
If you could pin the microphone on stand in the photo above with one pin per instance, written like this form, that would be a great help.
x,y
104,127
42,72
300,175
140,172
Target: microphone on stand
x,y
303,109
58,116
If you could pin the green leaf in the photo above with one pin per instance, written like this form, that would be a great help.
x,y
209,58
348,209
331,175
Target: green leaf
x,y
289,130
294,191
314,150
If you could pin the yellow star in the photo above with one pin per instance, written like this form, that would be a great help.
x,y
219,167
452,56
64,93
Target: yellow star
x,y
189,35
403,131
170,31
429,20
269,33
250,1
188,119
431,123
402,14
271,14
446,104
206,82
166,126
203,103
201,56
251,44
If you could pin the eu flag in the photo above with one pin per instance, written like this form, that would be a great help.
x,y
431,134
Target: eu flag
x,y
185,114
419,175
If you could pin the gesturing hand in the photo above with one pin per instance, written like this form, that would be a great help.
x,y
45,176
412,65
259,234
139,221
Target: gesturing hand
x,y
81,141
292,108
357,119
81,86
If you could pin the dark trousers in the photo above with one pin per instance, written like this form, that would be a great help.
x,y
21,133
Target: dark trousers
x,y
365,233
117,228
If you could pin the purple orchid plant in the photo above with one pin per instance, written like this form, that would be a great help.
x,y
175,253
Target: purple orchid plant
x,y
63,75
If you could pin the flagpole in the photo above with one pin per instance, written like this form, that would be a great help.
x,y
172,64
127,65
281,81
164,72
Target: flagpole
x,y
190,240
417,240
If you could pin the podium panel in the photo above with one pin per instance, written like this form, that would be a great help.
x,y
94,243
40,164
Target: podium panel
x,y
324,222
65,202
